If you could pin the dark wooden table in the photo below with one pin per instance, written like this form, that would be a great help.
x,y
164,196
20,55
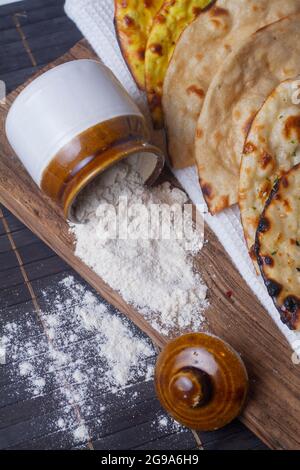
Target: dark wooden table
x,y
33,33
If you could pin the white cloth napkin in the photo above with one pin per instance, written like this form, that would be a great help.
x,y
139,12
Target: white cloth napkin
x,y
95,20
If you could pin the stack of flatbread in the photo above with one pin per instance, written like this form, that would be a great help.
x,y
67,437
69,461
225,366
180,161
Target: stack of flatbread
x,y
230,103
269,196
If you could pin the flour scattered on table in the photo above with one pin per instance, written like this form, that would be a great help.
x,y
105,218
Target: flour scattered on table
x,y
154,273
80,351
166,423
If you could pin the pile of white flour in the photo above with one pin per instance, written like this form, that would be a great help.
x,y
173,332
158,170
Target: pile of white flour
x,y
154,274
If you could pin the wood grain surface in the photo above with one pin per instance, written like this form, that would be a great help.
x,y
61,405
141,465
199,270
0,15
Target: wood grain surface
x,y
273,407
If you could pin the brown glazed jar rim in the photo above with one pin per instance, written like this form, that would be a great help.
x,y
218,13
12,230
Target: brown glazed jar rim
x,y
119,154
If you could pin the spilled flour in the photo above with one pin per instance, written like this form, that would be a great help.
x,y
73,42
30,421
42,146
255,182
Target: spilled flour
x,y
127,242
75,355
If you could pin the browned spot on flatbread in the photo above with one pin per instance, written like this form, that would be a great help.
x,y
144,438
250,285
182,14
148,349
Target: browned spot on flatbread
x,y
218,136
291,311
216,22
197,91
252,253
284,182
222,204
228,47
141,54
249,148
261,139
264,225
207,190
287,205
156,49
199,133
217,14
218,11
265,190
292,125
265,160
277,197
161,19
197,10
274,288
129,21
148,3
268,260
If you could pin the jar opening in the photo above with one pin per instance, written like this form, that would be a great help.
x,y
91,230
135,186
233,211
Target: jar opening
x,y
147,163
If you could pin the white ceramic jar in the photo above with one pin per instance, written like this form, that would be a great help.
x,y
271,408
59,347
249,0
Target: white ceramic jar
x,y
74,121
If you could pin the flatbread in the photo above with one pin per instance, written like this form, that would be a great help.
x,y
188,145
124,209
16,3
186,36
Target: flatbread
x,y
239,89
278,247
133,23
168,25
271,148
199,53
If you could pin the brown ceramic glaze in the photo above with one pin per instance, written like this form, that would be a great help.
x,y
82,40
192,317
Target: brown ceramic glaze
x,y
91,153
201,381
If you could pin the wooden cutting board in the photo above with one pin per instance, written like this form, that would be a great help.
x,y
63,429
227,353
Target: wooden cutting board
x,y
273,408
